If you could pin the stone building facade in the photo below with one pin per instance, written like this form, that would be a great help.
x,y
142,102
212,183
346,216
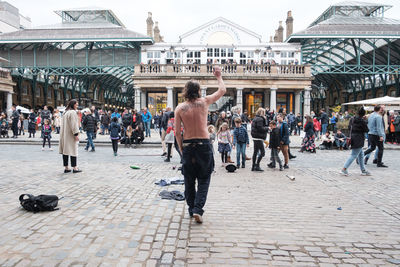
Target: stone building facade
x,y
257,73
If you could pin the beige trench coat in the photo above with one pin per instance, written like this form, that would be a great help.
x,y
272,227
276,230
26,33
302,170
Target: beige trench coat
x,y
69,127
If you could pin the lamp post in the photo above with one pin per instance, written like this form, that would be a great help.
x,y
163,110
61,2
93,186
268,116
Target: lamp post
x,y
56,85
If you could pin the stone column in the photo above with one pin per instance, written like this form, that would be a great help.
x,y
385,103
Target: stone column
x,y
138,93
203,91
266,99
297,102
9,103
239,98
143,99
307,98
170,97
272,99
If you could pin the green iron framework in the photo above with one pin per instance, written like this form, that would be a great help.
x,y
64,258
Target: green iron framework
x,y
80,67
355,63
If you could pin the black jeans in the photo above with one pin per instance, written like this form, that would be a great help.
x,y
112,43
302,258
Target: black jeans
x,y
198,164
375,142
73,161
258,148
114,145
44,140
14,127
275,157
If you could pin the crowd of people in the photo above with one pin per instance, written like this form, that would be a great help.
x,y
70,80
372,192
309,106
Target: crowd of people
x,y
129,127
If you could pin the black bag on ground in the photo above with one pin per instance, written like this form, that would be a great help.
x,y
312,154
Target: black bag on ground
x,y
39,203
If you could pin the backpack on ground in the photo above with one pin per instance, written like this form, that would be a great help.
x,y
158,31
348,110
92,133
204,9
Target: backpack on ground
x,y
39,203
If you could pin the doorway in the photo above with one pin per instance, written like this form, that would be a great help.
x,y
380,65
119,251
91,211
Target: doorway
x,y
252,102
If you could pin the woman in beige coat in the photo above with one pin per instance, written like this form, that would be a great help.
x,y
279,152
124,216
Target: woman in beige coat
x,y
69,136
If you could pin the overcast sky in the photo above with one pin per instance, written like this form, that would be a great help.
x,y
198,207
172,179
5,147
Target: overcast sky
x,y
177,17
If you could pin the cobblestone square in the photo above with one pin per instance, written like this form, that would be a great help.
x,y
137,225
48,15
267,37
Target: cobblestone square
x,y
112,215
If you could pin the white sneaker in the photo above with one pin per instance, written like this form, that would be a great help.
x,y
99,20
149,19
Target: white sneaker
x,y
344,172
42,148
51,149
198,218
366,173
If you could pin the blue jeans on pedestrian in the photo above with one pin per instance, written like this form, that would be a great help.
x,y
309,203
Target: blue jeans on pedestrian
x,y
240,150
340,144
147,128
324,128
356,153
89,140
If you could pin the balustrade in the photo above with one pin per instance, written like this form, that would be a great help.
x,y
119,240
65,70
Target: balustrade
x,y
231,69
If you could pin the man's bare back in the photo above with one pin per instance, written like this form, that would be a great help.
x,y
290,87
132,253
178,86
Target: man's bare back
x,y
193,114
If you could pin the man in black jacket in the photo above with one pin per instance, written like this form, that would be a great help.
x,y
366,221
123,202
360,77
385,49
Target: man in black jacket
x,y
15,118
324,121
88,123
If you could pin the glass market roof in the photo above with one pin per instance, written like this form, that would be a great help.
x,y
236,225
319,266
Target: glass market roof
x,y
352,9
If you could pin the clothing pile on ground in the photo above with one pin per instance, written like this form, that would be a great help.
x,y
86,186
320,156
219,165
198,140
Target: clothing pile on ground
x,y
169,181
174,195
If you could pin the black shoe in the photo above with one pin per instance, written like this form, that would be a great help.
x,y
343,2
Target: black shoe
x,y
258,169
243,166
253,168
164,154
292,156
167,160
238,166
93,150
286,166
375,161
86,148
76,171
281,168
66,171
271,166
381,165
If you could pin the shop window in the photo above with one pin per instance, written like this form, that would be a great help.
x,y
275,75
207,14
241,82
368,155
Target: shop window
x,y
24,89
156,102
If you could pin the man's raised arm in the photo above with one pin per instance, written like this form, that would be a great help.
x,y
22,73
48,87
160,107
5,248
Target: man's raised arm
x,y
221,88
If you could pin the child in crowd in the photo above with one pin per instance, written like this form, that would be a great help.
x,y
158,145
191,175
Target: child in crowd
x,y
46,133
115,129
128,136
240,141
274,143
212,136
21,125
224,141
170,136
4,129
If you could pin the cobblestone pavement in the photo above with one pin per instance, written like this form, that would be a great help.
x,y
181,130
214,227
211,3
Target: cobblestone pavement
x,y
112,215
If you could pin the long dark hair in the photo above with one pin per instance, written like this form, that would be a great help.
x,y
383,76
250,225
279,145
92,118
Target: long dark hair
x,y
71,104
191,91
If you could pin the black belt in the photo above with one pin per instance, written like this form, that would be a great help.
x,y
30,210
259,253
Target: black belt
x,y
195,142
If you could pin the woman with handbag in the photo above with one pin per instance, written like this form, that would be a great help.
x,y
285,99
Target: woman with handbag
x,y
358,127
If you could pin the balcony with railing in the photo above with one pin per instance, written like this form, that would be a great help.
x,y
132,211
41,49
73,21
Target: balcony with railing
x,y
229,70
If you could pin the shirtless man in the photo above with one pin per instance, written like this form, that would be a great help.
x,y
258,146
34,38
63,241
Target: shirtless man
x,y
197,155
